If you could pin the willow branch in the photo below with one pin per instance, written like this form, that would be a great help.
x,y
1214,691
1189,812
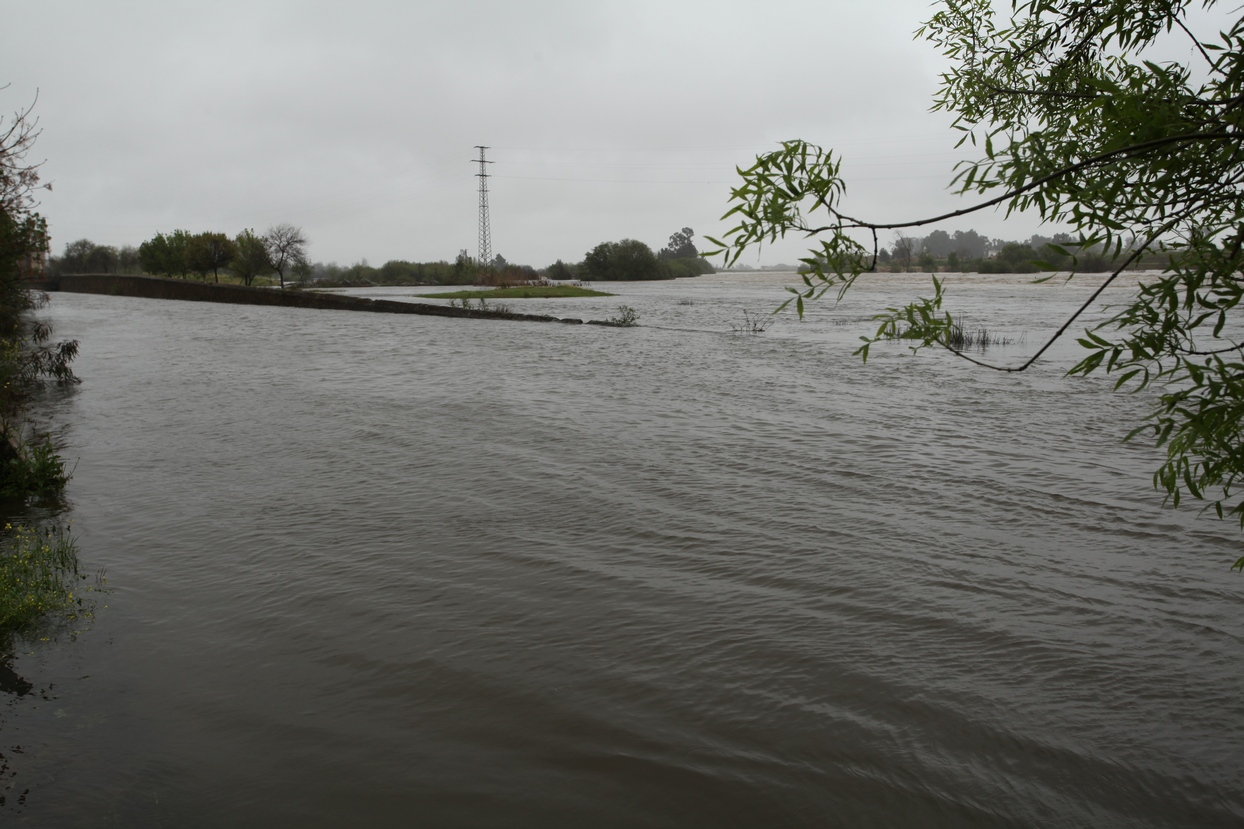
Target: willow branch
x,y
1136,254
1032,185
1212,65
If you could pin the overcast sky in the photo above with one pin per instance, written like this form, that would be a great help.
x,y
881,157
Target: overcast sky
x,y
606,120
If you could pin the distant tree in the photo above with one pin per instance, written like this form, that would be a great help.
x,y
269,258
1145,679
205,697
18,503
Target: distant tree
x,y
328,272
499,262
287,246
166,255
153,256
1012,257
361,273
970,244
102,259
687,266
127,259
559,270
302,270
927,263
179,246
84,256
464,267
904,249
939,243
250,257
628,260
210,252
952,261
74,259
680,246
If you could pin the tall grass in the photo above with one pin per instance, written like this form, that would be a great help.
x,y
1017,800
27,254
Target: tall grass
x,y
966,339
32,468
961,338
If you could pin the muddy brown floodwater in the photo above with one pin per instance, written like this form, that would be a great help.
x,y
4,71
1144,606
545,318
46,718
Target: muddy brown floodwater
x,y
389,571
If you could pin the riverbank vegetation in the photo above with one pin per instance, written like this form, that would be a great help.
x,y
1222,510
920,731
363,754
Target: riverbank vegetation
x,y
40,577
38,566
281,250
268,259
29,465
28,358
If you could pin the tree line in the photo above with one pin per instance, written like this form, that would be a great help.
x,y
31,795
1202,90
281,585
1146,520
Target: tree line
x,y
632,260
626,260
970,252
281,250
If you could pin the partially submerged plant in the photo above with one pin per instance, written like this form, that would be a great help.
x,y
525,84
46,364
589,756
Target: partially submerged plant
x,y
958,338
40,578
752,323
480,304
31,468
627,317
961,339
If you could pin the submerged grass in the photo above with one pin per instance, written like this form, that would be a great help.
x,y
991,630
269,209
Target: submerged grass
x,y
39,578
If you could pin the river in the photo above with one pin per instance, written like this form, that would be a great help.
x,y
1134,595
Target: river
x,y
396,570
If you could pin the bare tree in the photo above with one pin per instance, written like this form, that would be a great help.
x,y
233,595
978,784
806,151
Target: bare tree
x,y
904,249
18,179
287,247
23,232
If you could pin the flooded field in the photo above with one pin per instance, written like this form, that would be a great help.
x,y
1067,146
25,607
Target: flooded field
x,y
392,571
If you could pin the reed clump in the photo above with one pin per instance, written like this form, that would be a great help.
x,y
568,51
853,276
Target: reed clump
x,y
752,323
958,337
978,339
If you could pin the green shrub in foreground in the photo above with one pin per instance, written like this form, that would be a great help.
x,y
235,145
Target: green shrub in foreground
x,y
31,469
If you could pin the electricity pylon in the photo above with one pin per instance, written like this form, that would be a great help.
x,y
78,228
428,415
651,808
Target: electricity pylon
x,y
485,228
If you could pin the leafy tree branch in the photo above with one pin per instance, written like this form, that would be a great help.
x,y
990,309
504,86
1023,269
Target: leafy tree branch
x,y
1079,124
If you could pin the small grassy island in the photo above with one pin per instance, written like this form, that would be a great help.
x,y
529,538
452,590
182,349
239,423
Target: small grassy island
x,y
521,292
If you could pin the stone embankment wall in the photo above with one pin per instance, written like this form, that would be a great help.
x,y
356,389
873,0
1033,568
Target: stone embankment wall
x,y
152,287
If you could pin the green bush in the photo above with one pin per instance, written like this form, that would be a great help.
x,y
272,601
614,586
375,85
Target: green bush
x,y
31,469
560,270
626,318
628,260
